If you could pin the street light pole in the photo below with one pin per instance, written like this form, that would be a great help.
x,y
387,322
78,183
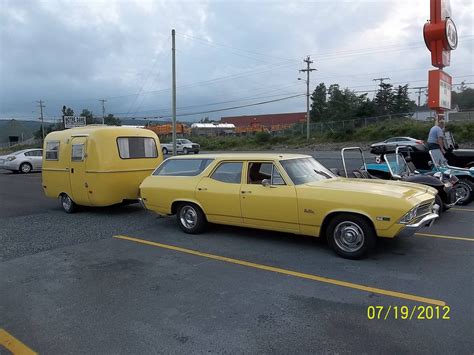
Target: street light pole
x,y
173,69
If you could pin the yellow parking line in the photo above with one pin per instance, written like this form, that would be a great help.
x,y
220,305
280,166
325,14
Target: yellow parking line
x,y
289,272
461,209
443,236
13,344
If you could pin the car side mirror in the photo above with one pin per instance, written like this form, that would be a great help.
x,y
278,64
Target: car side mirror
x,y
408,159
266,182
430,163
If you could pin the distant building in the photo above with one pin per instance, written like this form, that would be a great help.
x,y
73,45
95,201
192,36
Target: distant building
x,y
268,120
212,129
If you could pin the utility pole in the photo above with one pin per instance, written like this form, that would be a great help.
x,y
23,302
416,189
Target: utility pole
x,y
173,69
103,110
381,80
41,106
419,88
308,62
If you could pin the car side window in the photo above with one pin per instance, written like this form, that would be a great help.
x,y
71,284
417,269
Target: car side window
x,y
38,153
29,154
259,171
277,179
229,172
182,167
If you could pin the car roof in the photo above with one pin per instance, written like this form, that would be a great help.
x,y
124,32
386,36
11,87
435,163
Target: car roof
x,y
244,156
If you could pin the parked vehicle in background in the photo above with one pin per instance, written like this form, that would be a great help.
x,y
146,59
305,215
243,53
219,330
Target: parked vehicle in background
x,y
390,144
183,145
287,193
98,165
395,167
462,158
23,161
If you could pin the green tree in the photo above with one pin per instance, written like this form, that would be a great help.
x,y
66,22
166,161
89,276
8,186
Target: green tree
x,y
401,101
384,99
112,121
67,111
464,98
342,104
366,107
88,115
319,105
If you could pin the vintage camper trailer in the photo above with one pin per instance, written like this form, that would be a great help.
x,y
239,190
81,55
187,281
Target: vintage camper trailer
x,y
98,165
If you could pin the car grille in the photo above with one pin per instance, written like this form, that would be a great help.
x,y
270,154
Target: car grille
x,y
424,209
195,145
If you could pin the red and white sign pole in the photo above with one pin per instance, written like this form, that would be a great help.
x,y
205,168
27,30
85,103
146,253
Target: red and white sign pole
x,y
440,37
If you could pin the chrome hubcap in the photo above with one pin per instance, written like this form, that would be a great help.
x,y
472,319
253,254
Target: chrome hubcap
x,y
188,217
25,168
349,236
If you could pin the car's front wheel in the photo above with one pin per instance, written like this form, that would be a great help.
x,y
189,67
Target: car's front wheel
x,y
185,151
67,203
350,236
464,191
190,218
25,168
165,151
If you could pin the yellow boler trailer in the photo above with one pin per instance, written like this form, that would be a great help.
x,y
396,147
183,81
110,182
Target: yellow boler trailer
x,y
98,165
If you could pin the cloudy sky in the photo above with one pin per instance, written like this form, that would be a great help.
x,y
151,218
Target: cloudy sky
x,y
229,53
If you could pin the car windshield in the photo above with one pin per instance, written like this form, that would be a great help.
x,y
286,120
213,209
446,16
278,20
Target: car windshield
x,y
304,170
438,158
397,164
185,141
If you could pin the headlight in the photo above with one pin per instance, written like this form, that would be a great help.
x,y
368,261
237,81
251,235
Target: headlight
x,y
11,158
409,216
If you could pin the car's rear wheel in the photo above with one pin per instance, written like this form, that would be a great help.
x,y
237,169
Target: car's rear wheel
x,y
350,236
190,218
465,191
165,151
25,168
67,203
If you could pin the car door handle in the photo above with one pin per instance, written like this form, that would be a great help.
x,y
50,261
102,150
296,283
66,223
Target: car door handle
x,y
72,170
202,188
246,192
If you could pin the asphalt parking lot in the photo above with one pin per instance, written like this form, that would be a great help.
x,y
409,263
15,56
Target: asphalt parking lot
x,y
120,280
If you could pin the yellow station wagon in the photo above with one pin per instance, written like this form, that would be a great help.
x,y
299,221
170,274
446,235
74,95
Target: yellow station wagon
x,y
288,193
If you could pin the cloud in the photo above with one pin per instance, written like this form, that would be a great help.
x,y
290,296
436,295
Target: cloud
x,y
76,52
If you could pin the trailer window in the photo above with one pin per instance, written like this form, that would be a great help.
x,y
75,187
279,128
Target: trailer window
x,y
77,152
52,150
136,147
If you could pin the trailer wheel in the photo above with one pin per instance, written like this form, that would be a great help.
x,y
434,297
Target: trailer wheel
x,y
67,203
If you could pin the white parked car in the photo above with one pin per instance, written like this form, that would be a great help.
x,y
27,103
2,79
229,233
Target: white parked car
x,y
23,161
184,146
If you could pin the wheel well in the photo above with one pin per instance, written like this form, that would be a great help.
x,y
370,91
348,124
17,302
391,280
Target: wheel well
x,y
175,205
331,215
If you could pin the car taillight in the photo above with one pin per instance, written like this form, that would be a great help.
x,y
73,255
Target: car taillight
x,y
420,141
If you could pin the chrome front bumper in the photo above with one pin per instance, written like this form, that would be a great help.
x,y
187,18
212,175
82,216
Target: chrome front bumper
x,y
426,221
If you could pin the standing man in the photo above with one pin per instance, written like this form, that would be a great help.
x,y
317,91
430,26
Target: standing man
x,y
436,137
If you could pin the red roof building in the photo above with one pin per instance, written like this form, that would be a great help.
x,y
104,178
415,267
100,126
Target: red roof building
x,y
266,120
